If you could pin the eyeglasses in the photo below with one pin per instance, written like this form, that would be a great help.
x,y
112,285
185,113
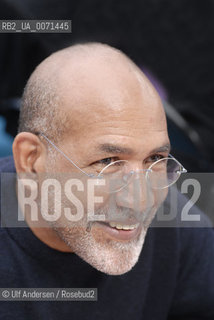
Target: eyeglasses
x,y
160,174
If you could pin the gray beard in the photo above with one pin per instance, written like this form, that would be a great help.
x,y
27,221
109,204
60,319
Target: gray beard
x,y
104,254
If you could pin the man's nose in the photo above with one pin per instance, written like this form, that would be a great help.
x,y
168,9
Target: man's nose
x,y
137,195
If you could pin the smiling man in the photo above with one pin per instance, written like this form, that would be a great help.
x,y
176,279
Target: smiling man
x,y
89,112
103,110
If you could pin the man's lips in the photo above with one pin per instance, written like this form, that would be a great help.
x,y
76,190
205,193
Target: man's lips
x,y
119,234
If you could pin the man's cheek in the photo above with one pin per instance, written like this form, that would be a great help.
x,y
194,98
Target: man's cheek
x,y
160,196
149,214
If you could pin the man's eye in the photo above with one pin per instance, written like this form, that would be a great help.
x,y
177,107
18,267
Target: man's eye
x,y
106,161
155,157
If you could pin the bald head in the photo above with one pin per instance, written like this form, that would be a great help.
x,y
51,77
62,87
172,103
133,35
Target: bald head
x,y
65,85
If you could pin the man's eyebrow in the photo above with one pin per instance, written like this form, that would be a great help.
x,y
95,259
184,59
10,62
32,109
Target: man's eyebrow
x,y
116,149
164,148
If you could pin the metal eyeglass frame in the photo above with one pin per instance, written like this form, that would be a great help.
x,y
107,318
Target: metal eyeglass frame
x,y
183,170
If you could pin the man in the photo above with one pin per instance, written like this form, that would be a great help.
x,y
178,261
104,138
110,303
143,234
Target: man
x,y
89,111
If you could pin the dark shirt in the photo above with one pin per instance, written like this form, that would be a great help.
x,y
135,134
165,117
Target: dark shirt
x,y
173,279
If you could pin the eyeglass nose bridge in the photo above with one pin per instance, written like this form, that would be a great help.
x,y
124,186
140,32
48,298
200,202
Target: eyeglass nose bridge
x,y
130,174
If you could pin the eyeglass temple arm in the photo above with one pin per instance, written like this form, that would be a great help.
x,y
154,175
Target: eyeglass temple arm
x,y
63,154
183,170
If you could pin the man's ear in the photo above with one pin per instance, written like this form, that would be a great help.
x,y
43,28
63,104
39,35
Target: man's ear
x,y
29,153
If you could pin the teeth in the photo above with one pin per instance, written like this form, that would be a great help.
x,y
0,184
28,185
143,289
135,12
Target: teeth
x,y
124,227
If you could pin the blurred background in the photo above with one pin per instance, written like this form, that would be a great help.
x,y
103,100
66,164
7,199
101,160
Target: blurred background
x,y
171,41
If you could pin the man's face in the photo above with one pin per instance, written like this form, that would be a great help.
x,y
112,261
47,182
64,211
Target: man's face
x,y
115,116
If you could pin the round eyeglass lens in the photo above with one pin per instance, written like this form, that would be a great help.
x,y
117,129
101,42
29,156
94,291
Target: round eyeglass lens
x,y
116,176
164,173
